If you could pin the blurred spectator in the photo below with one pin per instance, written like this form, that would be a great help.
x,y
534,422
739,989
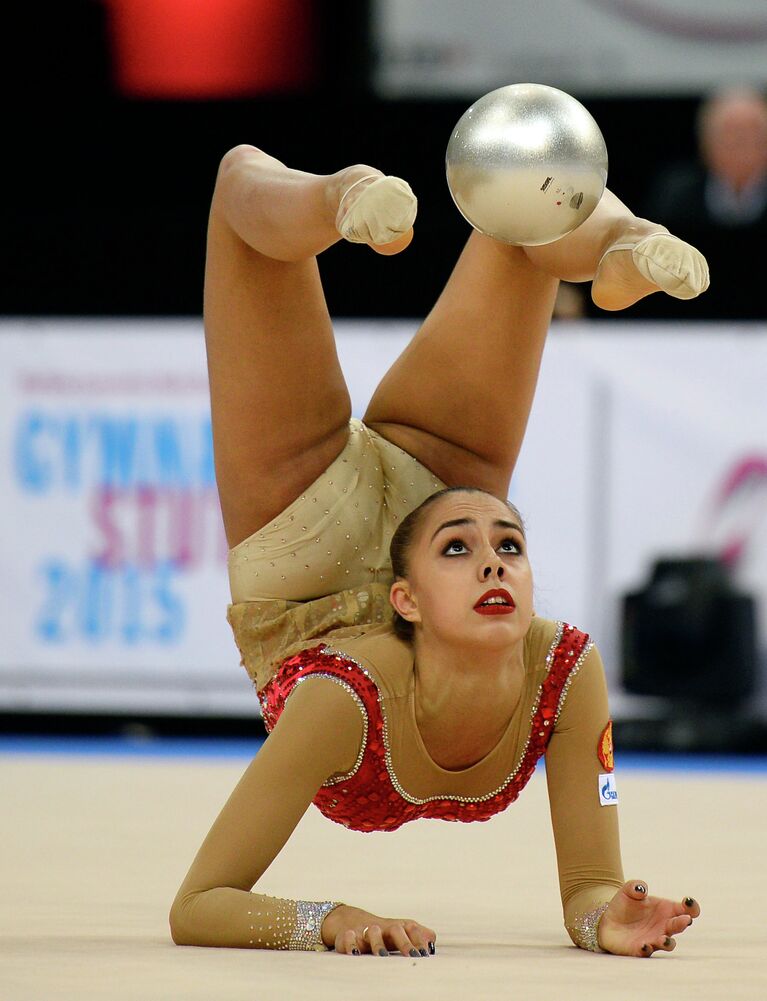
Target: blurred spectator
x,y
719,203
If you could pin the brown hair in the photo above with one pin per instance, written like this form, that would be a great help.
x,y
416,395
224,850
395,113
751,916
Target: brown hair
x,y
403,539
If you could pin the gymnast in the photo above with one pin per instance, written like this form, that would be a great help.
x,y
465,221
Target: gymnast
x,y
382,558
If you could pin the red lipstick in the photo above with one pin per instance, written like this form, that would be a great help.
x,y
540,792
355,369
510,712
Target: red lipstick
x,y
496,608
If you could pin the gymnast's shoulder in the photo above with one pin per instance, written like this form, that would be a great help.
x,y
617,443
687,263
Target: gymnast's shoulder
x,y
378,650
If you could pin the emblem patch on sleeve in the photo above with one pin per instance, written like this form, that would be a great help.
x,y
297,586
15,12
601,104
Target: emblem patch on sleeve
x,y
605,748
608,794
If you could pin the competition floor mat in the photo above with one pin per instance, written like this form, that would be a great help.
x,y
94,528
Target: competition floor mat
x,y
97,836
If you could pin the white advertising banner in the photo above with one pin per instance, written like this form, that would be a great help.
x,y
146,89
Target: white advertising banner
x,y
591,47
644,441
113,554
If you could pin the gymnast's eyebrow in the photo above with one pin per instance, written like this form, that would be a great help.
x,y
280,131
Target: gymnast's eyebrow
x,y
471,521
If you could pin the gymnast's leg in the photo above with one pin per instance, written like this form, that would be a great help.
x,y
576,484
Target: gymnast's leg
x,y
279,401
608,247
459,396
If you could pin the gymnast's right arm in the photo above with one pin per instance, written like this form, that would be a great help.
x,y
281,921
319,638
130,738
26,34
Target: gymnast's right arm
x,y
318,734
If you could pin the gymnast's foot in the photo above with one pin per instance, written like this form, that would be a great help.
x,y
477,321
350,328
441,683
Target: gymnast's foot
x,y
375,209
636,267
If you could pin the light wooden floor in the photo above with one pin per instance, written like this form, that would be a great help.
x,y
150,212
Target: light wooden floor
x,y
94,849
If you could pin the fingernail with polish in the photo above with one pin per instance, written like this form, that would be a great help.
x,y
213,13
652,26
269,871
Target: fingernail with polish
x,y
355,952
640,888
432,948
423,952
688,902
667,942
414,952
383,952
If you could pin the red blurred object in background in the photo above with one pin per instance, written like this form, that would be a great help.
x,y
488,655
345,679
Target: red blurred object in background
x,y
211,48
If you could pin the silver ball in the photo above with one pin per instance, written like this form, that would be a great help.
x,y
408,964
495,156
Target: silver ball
x,y
526,164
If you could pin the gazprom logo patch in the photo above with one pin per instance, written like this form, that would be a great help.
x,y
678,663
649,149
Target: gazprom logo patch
x,y
608,794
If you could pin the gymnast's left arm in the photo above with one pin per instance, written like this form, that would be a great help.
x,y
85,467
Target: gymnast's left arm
x,y
601,911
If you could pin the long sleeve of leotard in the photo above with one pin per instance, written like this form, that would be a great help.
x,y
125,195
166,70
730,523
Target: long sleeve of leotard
x,y
585,832
318,734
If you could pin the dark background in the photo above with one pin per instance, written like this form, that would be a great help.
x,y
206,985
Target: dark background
x,y
107,195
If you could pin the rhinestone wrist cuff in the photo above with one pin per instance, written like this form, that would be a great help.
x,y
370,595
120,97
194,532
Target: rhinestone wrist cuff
x,y
585,929
309,917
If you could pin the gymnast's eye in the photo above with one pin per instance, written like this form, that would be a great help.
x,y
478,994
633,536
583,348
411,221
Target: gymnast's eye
x,y
449,546
516,547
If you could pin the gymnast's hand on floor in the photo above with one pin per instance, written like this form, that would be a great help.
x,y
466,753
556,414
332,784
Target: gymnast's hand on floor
x,y
343,930
636,924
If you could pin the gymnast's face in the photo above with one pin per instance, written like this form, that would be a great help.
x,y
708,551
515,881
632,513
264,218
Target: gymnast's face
x,y
452,566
